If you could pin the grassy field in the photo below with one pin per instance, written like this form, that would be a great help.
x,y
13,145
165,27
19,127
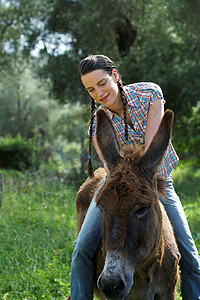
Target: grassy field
x,y
38,226
37,229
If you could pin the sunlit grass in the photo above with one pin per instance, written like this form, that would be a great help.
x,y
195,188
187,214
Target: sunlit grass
x,y
37,229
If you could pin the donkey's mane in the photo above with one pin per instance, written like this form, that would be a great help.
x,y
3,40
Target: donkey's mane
x,y
132,155
131,164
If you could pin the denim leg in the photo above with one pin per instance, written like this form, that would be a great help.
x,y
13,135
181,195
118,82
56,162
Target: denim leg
x,y
85,248
190,261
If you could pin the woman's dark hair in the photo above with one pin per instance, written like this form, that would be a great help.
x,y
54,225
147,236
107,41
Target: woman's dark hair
x,y
100,62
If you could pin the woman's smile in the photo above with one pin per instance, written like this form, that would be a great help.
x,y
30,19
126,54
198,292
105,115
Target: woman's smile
x,y
104,99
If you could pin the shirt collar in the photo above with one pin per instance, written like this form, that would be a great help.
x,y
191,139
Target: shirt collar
x,y
110,113
131,101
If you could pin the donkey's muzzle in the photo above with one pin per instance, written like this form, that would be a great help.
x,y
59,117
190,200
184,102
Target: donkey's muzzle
x,y
116,278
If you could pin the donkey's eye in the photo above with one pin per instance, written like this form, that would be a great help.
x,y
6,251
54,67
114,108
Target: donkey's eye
x,y
141,211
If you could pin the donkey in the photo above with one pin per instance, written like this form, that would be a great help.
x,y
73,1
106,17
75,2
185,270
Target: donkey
x,y
138,256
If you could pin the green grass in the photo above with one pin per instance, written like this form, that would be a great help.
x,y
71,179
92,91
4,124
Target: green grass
x,y
38,227
187,185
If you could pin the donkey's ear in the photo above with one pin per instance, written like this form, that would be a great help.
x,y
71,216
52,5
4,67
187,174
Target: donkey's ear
x,y
155,153
107,140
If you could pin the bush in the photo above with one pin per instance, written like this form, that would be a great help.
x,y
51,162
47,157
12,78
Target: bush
x,y
194,130
186,136
18,154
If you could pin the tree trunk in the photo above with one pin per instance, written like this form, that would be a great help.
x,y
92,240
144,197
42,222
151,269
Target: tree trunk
x,y
19,126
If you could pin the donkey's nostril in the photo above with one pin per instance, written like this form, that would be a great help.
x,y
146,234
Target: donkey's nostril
x,y
112,287
119,286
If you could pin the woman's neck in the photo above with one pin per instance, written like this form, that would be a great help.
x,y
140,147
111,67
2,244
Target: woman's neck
x,y
117,106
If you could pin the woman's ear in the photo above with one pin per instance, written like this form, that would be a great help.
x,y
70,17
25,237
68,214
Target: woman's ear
x,y
115,75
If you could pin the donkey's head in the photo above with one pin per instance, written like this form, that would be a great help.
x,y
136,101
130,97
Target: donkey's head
x,y
131,216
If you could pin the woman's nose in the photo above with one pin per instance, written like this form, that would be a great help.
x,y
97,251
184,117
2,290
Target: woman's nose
x,y
100,92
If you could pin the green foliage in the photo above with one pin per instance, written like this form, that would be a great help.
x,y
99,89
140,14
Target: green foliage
x,y
186,177
18,154
62,129
17,18
194,133
187,136
186,180
36,110
149,41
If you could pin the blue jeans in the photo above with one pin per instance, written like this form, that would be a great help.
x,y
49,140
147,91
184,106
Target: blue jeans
x,y
87,243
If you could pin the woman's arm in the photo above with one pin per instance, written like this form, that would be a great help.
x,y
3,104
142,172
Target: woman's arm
x,y
94,141
154,117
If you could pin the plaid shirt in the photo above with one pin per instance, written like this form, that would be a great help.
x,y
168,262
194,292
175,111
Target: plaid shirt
x,y
139,98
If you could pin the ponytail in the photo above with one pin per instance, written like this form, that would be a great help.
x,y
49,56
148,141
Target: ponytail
x,y
123,96
90,167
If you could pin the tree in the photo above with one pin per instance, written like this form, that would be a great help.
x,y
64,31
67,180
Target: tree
x,y
75,19
17,18
150,40
35,104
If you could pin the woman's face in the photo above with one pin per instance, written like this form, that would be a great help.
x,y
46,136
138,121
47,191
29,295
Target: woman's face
x,y
102,87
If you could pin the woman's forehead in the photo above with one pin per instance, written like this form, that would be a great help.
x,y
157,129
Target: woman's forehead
x,y
92,78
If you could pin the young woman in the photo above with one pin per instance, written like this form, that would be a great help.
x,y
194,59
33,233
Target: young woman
x,y
135,111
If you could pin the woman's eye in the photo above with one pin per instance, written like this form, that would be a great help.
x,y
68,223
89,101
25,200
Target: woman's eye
x,y
103,83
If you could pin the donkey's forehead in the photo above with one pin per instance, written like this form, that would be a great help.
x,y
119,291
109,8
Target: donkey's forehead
x,y
128,184
117,195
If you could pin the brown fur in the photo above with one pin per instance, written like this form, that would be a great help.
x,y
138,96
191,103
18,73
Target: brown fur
x,y
135,226
85,195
